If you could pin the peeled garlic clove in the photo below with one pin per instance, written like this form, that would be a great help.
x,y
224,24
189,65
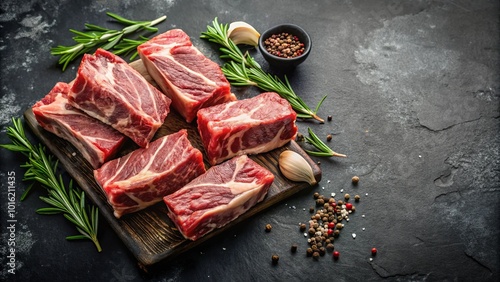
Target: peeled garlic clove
x,y
243,33
295,167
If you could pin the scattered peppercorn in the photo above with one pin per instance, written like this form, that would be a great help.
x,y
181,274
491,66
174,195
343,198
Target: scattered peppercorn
x,y
299,137
268,227
356,198
374,251
294,248
275,259
315,255
326,223
330,247
329,118
336,255
302,227
322,251
284,45
329,137
355,180
320,202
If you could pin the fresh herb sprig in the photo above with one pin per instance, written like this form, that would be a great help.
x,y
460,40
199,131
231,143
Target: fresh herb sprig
x,y
109,39
70,201
324,150
243,70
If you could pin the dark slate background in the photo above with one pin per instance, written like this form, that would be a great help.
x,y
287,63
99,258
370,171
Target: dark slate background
x,y
413,88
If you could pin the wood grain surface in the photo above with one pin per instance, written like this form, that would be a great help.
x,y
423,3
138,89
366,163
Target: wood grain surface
x,y
149,234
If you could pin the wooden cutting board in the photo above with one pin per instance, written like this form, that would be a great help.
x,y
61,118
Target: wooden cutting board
x,y
149,234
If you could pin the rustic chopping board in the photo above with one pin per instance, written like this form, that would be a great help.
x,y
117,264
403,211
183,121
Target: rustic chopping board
x,y
149,234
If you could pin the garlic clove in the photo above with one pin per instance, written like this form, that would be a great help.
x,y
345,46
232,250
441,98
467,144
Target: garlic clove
x,y
243,33
295,167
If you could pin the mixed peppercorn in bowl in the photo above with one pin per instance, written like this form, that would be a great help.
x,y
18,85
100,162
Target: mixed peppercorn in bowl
x,y
285,46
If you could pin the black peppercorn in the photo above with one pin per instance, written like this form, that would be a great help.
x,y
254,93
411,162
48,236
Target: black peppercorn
x,y
268,227
294,248
315,255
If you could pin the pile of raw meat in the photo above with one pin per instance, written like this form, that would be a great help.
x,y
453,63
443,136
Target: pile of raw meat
x,y
109,102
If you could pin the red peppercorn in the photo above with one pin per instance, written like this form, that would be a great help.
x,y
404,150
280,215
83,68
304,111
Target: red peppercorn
x,y
336,254
330,231
331,225
348,206
374,251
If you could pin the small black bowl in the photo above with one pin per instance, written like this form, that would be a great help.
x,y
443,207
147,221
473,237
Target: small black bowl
x,y
280,62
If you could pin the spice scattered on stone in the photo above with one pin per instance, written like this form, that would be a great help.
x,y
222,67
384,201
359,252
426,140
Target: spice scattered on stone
x,y
284,45
326,223
275,259
268,227
355,180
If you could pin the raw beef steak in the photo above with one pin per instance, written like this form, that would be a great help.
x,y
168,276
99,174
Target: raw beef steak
x,y
109,89
219,196
189,78
143,177
96,141
251,126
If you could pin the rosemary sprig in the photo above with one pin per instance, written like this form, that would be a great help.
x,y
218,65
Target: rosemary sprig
x,y
242,70
100,37
324,150
42,168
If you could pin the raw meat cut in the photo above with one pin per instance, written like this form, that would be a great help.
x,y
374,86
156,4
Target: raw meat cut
x,y
219,196
96,141
109,89
184,74
251,126
143,177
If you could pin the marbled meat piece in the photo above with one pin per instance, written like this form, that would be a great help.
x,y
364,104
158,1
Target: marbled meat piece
x,y
184,74
218,197
143,177
250,126
96,141
109,89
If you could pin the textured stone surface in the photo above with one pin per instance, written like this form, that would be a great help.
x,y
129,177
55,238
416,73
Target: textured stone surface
x,y
413,88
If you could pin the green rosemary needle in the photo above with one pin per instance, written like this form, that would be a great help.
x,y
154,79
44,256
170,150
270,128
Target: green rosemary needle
x,y
242,70
100,37
324,150
42,168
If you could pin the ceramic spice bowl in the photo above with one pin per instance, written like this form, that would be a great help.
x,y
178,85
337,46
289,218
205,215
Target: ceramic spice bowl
x,y
296,47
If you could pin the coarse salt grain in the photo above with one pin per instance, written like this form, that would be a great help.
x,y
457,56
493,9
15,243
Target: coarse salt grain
x,y
354,235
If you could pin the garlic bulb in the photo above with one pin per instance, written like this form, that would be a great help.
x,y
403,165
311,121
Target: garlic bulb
x,y
295,167
243,33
